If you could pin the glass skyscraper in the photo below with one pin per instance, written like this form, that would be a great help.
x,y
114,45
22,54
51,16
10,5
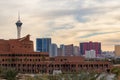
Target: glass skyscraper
x,y
43,44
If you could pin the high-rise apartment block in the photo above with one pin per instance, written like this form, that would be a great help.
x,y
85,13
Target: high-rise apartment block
x,y
53,50
59,52
86,46
76,51
43,44
66,50
117,50
62,48
69,50
90,54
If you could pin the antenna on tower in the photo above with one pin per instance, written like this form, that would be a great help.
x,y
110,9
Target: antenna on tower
x,y
18,15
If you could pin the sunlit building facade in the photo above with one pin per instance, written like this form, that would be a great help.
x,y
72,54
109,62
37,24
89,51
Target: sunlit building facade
x,y
117,50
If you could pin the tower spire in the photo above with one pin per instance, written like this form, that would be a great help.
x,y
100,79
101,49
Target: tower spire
x,y
18,24
18,15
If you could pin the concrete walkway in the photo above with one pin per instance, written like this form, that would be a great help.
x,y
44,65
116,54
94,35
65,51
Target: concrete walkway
x,y
106,76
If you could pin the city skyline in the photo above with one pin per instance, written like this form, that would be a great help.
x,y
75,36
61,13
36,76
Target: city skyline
x,y
65,21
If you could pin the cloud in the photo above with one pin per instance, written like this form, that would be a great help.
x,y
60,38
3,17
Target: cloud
x,y
115,40
98,33
63,27
81,15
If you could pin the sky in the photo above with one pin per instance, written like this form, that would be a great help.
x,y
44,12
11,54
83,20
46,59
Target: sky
x,y
65,21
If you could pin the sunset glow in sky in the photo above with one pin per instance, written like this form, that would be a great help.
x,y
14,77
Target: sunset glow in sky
x,y
65,21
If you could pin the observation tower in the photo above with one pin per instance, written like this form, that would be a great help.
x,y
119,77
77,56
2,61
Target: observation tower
x,y
18,24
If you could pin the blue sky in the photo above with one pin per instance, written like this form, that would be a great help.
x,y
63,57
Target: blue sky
x,y
65,21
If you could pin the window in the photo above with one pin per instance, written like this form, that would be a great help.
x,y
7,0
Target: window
x,y
19,65
12,46
2,59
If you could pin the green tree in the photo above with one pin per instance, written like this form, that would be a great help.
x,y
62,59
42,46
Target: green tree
x,y
116,71
10,74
